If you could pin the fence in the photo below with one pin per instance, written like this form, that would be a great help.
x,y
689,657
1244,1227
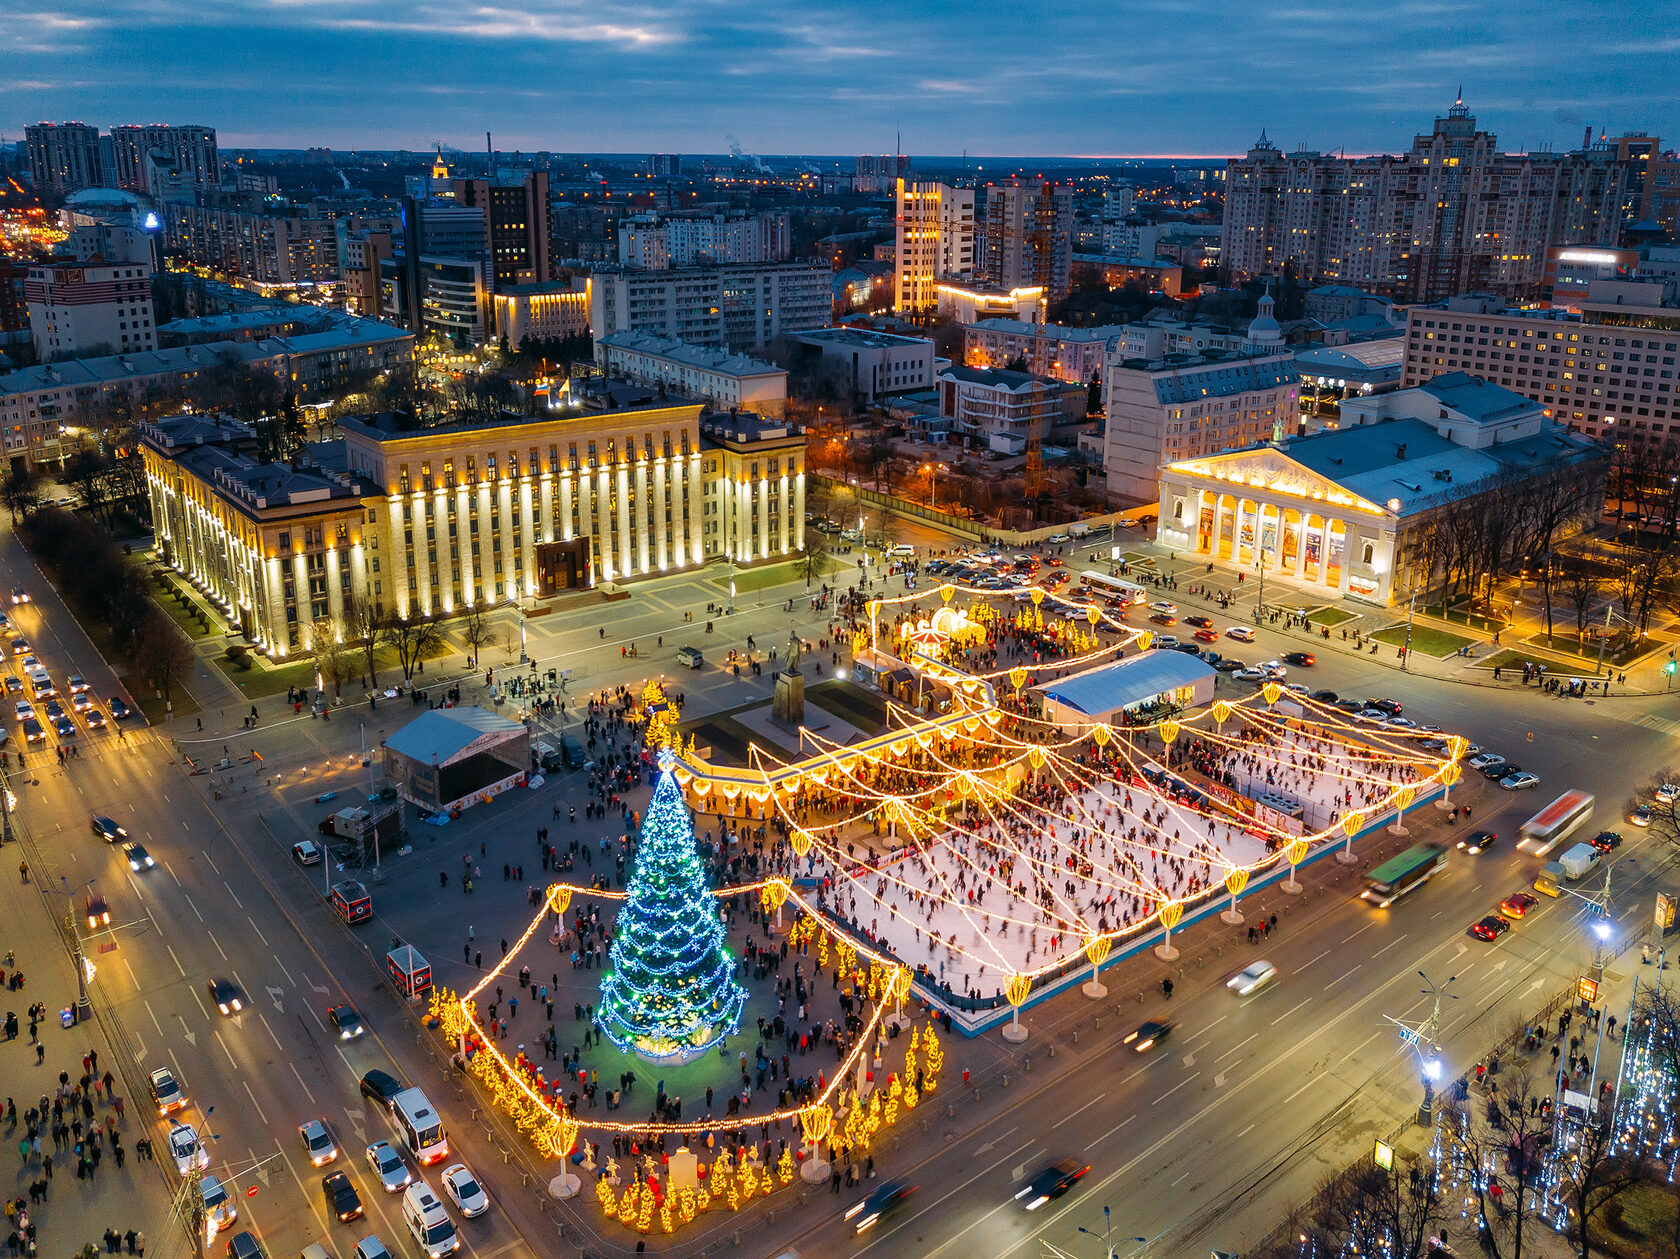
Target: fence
x,y
977,530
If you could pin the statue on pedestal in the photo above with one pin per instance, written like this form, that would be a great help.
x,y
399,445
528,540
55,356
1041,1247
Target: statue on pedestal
x,y
795,649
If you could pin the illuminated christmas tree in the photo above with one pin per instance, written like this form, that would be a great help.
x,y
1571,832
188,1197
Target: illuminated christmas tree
x,y
671,994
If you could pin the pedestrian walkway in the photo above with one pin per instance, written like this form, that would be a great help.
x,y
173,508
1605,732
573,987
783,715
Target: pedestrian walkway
x,y
73,1112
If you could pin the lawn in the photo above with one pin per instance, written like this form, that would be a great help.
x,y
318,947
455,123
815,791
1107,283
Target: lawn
x,y
1638,1224
748,580
137,689
1431,642
1459,616
263,679
1569,646
1509,659
1329,616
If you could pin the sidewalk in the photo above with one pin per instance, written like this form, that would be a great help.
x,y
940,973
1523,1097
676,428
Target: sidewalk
x,y
1645,677
75,1211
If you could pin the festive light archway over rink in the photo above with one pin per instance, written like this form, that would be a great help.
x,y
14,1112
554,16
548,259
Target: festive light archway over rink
x,y
980,756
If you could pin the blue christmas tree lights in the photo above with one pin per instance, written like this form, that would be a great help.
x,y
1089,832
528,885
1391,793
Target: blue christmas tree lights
x,y
671,993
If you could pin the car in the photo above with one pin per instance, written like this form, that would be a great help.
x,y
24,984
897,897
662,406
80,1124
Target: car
x,y
1350,706
19,645
1164,607
1303,658
1490,928
1251,673
1604,841
1493,773
1373,715
1164,618
389,1167
23,710
14,684
317,1142
225,993
1640,815
1189,649
1402,723
94,718
1485,760
1519,781
54,710
1147,1035
690,657
347,1021
1207,636
98,912
1252,978
1162,642
1517,905
120,711
107,829
1057,539
1392,707
1051,1183
244,1245
382,1087
137,857
1298,688
219,1210
465,1191
886,1199
342,1198
166,1090
1242,633
1228,665
32,731
78,684
1053,562
81,703
306,852
1274,669
370,1247
1667,793
19,595
1478,841
188,1151
1324,697
64,728
1200,622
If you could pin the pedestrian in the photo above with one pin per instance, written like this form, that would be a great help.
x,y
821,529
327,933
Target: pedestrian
x,y
130,1237
140,1243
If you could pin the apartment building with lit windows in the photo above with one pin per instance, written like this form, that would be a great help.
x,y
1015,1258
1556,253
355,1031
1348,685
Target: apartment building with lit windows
x,y
933,241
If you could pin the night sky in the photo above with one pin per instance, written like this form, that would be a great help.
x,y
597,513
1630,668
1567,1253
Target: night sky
x,y
1132,77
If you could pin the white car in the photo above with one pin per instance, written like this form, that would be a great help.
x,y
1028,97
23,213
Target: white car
x,y
1376,716
1404,723
1251,978
1242,633
1056,539
1667,793
1487,760
1164,607
388,1167
1519,780
24,709
1274,669
306,852
317,1142
1251,674
190,1154
465,1191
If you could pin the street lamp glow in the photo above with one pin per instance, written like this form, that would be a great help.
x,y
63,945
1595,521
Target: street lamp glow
x,y
1432,1068
1601,930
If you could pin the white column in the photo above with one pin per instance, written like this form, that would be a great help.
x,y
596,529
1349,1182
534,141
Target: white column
x,y
661,501
419,512
547,507
565,507
396,560
527,539
335,595
300,590
784,503
1347,558
606,520
799,510
763,492
642,515
444,569
1301,544
621,517
479,571
360,587
696,510
506,588
274,606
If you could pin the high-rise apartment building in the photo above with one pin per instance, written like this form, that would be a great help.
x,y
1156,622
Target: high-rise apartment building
x,y
281,246
878,173
191,154
79,308
515,224
1029,236
654,243
1608,371
64,156
739,307
934,241
1451,215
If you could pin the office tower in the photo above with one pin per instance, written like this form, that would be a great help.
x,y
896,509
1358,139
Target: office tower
x,y
516,222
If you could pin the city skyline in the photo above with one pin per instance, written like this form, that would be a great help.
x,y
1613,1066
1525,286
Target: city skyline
x,y
1174,78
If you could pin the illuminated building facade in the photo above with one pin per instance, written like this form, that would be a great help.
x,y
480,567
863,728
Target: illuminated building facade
x,y
1029,237
543,312
933,241
425,522
1341,512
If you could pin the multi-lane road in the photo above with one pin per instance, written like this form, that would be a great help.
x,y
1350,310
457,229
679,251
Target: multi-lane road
x,y
1204,1141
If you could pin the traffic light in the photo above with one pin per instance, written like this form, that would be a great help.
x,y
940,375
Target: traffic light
x,y
1668,668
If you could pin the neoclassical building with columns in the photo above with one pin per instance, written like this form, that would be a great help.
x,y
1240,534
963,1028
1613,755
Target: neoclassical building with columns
x,y
428,521
1338,512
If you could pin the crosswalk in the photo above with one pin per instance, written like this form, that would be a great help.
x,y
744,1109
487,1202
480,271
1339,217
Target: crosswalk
x,y
1650,721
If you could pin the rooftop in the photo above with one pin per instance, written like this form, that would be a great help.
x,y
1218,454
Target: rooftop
x,y
860,338
991,377
697,356
1050,331
1097,692
1475,398
441,735
1359,358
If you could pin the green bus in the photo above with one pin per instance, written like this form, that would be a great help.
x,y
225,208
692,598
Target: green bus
x,y
1399,875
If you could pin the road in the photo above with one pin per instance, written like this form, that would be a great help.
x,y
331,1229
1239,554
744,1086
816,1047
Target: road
x,y
1246,1104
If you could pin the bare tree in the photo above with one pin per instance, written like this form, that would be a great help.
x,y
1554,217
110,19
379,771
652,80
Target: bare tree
x,y
410,639
476,629
362,630
813,560
1663,804
160,652
1595,1176
1581,585
330,653
21,491
1370,1210
1507,1144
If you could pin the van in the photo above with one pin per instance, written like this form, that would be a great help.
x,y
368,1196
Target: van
x,y
219,1210
1578,861
902,550
428,1223
1546,882
41,686
1079,531
572,750
690,657
545,758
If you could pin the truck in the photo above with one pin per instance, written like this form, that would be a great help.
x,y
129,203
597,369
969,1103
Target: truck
x,y
1579,861
1079,531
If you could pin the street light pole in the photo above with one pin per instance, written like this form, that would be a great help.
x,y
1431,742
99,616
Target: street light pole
x,y
1406,651
1107,1238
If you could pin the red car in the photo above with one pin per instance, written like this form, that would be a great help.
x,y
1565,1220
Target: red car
x,y
1517,905
1207,636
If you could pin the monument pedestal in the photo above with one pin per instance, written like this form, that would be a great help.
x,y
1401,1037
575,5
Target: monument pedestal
x,y
788,708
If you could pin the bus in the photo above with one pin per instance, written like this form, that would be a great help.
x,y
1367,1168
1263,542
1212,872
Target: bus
x,y
1556,822
1399,875
421,1128
1113,587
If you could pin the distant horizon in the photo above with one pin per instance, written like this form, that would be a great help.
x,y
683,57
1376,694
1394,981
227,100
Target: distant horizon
x,y
1191,80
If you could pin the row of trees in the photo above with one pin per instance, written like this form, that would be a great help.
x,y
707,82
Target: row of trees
x,y
102,587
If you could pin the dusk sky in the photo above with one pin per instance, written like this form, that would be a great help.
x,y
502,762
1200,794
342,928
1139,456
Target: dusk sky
x,y
995,77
